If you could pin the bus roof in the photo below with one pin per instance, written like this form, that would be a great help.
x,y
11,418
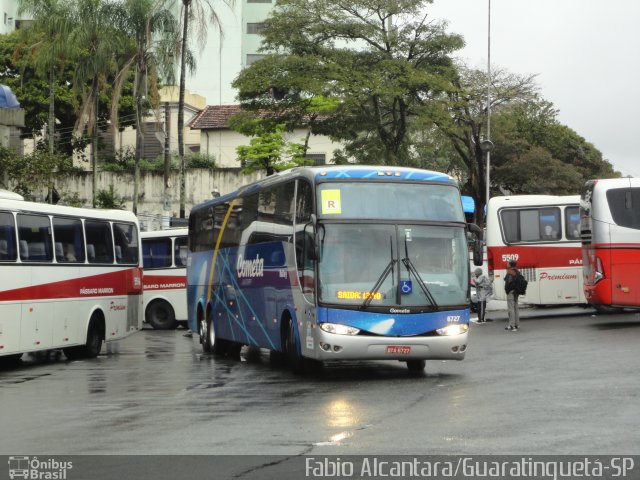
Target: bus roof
x,y
622,182
338,172
102,214
169,232
532,200
8,195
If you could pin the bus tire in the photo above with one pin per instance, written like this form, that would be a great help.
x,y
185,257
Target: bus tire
x,y
416,367
207,335
93,346
160,315
10,360
294,359
606,310
210,341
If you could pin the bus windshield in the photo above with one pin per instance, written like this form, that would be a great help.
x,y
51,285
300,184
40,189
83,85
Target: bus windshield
x,y
370,200
353,260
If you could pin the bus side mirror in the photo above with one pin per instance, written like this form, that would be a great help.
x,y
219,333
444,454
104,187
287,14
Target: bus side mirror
x,y
312,237
478,250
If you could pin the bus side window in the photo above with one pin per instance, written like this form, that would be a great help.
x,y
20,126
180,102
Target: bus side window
x,y
126,239
35,231
7,237
98,234
180,251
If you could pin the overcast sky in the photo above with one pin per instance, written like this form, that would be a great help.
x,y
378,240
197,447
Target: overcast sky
x,y
586,54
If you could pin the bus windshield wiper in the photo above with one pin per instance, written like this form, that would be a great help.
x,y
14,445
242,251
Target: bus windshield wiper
x,y
413,271
383,276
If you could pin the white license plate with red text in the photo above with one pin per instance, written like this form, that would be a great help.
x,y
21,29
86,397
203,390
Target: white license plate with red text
x,y
398,349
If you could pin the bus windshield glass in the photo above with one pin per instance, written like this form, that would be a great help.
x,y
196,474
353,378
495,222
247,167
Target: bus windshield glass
x,y
389,262
390,201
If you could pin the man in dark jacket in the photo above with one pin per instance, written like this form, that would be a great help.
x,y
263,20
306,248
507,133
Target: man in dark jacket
x,y
512,296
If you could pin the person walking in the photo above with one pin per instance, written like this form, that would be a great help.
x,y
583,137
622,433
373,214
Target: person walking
x,y
484,289
512,296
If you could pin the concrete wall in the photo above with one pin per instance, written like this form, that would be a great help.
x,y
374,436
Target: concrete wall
x,y
199,185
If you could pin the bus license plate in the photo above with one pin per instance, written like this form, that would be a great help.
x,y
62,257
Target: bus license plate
x,y
398,349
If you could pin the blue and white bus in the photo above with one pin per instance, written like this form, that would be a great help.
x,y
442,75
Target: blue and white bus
x,y
333,263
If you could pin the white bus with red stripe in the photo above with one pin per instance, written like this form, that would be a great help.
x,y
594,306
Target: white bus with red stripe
x,y
164,254
610,226
70,278
541,233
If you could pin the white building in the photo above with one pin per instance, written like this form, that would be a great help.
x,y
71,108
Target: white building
x,y
221,60
217,139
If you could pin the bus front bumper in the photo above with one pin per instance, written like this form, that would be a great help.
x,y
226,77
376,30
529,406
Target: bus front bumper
x,y
329,346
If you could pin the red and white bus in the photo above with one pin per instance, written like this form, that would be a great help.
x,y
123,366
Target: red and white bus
x,y
541,233
610,227
70,278
164,254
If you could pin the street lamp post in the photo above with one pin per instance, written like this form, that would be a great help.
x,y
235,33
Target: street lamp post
x,y
489,145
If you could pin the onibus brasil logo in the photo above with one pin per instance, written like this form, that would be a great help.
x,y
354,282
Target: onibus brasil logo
x,y
38,469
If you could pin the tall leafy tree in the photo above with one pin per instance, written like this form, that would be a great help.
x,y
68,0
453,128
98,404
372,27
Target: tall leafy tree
x,y
464,120
156,34
384,62
51,21
100,43
197,16
534,153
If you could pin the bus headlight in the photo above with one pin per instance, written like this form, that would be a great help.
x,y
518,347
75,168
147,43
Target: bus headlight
x,y
456,329
339,329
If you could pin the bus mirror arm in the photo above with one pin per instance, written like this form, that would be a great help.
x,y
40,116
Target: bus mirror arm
x,y
477,244
313,221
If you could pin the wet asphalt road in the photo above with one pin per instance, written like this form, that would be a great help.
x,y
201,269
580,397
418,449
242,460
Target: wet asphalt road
x,y
567,383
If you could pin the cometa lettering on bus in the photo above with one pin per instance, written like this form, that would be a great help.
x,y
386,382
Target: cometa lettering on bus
x,y
250,268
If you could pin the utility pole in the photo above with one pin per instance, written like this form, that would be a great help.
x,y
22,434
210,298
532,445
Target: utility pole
x,y
166,214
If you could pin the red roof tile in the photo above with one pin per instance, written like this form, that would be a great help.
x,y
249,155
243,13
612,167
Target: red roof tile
x,y
214,117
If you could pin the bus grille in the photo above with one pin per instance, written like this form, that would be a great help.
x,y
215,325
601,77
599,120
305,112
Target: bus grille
x,y
530,273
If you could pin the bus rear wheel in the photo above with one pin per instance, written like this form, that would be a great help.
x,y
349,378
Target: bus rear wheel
x,y
160,315
91,349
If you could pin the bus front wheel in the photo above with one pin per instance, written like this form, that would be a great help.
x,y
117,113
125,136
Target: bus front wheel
x,y
160,315
416,367
210,341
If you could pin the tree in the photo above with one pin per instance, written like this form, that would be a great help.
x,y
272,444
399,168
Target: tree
x,y
30,173
51,20
464,120
269,151
535,154
196,14
95,34
381,62
155,32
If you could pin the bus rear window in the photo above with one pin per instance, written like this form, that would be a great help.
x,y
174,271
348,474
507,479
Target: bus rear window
x,y
624,204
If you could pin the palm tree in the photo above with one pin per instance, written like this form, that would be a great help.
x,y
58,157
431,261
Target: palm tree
x,y
156,39
51,21
196,17
95,33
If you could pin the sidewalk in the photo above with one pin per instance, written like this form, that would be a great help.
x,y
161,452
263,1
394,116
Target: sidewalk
x,y
497,311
